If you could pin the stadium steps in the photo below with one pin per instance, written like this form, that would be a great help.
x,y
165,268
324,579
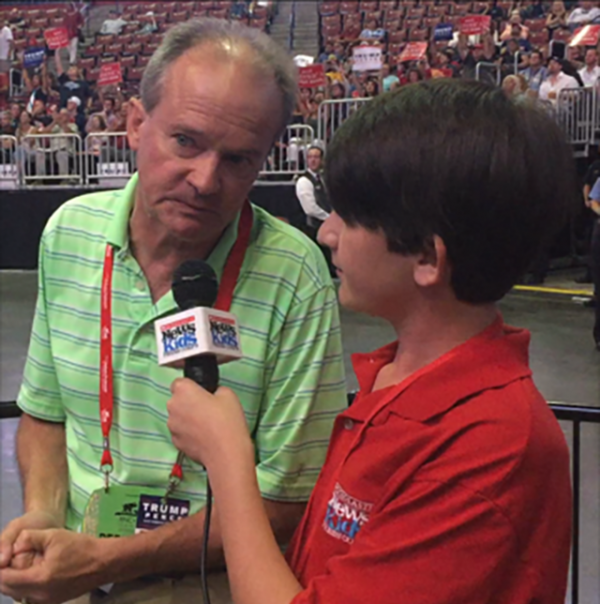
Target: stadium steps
x,y
306,31
280,28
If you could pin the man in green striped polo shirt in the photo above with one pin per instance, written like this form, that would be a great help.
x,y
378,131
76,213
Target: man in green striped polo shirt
x,y
214,98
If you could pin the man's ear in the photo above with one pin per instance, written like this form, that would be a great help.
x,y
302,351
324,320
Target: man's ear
x,y
432,267
136,116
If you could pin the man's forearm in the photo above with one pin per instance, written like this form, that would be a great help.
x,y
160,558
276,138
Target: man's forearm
x,y
175,548
42,456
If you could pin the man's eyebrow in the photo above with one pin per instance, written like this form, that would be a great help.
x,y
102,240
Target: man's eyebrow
x,y
195,133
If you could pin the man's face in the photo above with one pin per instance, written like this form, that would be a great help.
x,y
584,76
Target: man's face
x,y
63,117
15,111
513,46
554,67
201,148
591,58
108,106
73,73
535,60
5,119
585,4
385,70
314,159
478,53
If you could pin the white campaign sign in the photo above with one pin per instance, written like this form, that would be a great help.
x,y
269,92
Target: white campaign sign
x,y
366,58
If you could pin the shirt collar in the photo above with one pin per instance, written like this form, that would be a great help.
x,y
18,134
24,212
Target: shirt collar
x,y
495,357
118,231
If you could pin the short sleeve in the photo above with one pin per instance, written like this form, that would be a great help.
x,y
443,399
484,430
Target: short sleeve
x,y
305,390
595,192
39,395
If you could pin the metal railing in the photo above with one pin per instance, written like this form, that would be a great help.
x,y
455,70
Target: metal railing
x,y
333,113
485,67
575,414
288,156
105,160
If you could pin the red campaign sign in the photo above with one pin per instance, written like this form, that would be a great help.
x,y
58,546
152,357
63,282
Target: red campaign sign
x,y
472,25
110,73
413,51
312,76
57,37
585,36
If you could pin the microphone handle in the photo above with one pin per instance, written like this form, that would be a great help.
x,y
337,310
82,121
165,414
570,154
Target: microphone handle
x,y
203,370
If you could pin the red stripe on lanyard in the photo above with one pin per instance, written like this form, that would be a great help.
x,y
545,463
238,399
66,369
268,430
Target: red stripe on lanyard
x,y
229,279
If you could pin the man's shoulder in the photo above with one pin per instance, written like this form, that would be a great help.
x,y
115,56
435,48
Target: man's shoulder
x,y
285,252
88,214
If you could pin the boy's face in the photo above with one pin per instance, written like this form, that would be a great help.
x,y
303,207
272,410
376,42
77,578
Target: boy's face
x,y
373,280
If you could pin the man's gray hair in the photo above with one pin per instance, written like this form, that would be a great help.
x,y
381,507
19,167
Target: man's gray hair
x,y
268,55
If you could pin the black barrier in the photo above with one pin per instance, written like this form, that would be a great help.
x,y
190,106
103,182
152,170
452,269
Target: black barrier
x,y
24,213
576,414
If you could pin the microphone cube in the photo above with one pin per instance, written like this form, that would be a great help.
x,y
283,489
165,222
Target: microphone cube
x,y
197,331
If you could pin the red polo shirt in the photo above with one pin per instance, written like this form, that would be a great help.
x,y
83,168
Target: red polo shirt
x,y
452,487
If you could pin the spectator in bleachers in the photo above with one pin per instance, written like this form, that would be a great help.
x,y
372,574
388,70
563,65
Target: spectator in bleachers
x,y
326,54
73,22
371,32
512,52
556,81
120,123
37,85
15,110
113,25
442,64
76,114
39,114
148,22
587,12
371,88
6,45
535,72
413,75
534,10
512,88
61,148
388,77
26,148
557,17
515,27
95,142
591,72
471,54
71,84
7,126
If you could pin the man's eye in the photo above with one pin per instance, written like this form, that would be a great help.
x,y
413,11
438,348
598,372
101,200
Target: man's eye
x,y
236,160
183,140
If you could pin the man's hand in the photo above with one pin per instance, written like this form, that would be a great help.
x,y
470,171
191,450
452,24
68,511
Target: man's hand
x,y
63,565
208,428
29,521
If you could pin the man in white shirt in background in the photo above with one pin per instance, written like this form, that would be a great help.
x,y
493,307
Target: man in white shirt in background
x,y
114,24
591,72
312,195
311,192
556,81
6,45
587,12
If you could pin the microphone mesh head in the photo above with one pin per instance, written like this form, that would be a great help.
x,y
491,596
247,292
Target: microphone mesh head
x,y
195,284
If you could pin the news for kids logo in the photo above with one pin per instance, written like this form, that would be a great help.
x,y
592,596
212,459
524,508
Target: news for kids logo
x,y
345,515
179,336
223,332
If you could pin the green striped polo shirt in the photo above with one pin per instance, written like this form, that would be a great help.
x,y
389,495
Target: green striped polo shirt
x,y
290,381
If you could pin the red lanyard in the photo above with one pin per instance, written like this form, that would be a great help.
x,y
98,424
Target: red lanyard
x,y
229,279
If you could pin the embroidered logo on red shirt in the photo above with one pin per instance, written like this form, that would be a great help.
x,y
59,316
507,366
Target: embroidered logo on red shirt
x,y
345,515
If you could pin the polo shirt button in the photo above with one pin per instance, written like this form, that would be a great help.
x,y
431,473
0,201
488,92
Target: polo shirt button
x,y
348,424
140,285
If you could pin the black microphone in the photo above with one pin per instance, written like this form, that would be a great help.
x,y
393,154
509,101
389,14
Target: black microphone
x,y
195,285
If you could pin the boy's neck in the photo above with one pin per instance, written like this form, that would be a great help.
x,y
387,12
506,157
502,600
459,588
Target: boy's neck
x,y
430,334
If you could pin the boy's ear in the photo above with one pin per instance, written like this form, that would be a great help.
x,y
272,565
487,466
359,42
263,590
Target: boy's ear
x,y
432,267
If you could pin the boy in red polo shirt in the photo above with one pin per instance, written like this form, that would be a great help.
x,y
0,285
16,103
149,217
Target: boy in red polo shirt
x,y
447,480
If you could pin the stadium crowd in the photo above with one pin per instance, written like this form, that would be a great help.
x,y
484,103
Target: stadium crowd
x,y
527,41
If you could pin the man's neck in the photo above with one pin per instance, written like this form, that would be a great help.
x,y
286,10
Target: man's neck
x,y
158,253
430,334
